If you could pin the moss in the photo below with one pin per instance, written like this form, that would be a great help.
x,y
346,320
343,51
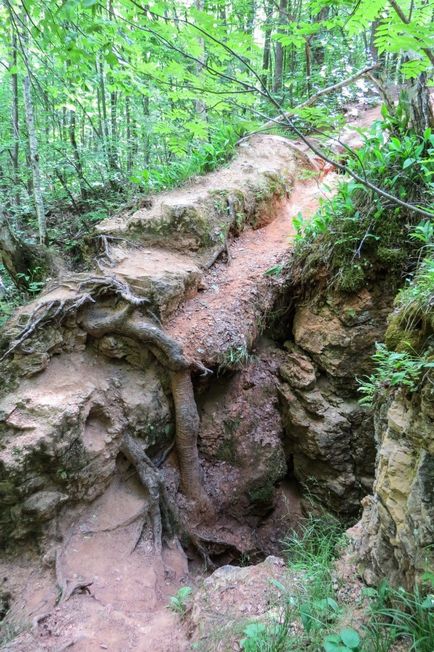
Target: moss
x,y
391,255
227,452
352,278
399,338
262,494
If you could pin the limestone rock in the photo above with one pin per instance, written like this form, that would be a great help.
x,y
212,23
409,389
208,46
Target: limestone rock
x,y
61,431
396,533
43,504
328,434
342,330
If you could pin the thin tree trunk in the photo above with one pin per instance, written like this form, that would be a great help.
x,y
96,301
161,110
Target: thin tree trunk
x,y
15,150
279,53
419,104
266,57
308,55
33,148
76,154
103,103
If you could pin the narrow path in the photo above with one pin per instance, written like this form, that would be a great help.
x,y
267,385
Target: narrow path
x,y
227,313
125,607
226,308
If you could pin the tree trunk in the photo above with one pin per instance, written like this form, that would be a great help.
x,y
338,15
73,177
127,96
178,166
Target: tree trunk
x,y
419,104
20,258
34,155
279,53
76,154
318,49
266,57
15,150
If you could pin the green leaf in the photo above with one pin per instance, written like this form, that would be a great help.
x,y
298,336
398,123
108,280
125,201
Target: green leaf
x,y
350,637
408,162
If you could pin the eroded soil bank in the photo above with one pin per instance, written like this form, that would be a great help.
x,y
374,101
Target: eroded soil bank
x,y
184,333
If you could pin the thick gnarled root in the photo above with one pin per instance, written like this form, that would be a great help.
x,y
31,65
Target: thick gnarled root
x,y
162,516
127,321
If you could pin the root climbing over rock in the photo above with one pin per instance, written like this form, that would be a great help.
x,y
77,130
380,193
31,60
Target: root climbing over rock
x,y
162,515
126,321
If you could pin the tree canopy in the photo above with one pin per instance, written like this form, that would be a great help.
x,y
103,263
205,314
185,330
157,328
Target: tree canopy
x,y
102,100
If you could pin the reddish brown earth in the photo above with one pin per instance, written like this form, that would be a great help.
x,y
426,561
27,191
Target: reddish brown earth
x,y
115,592
211,319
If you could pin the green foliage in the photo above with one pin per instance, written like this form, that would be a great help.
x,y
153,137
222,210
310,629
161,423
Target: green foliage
x,y
179,602
236,357
312,551
399,615
392,370
275,270
261,638
310,554
392,616
345,641
415,300
358,235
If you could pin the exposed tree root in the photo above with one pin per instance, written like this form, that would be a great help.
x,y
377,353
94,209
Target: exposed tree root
x,y
43,313
165,519
126,318
187,428
162,515
66,586
99,321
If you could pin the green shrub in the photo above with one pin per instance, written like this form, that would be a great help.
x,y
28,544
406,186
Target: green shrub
x,y
358,235
179,602
393,369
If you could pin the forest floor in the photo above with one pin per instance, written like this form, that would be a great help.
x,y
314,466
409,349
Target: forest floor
x,y
125,607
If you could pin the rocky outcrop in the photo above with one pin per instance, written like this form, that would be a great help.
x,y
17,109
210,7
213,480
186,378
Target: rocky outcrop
x,y
61,432
395,537
328,434
69,395
233,596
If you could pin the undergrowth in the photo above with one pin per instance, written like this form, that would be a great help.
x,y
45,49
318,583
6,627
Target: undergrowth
x,y
69,225
310,616
358,235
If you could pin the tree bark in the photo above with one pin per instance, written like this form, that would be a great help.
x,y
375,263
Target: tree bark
x,y
266,57
101,321
76,154
15,150
419,104
19,258
33,145
279,52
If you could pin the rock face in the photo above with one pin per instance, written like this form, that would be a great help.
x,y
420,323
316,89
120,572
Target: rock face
x,y
234,595
60,435
394,538
67,398
328,434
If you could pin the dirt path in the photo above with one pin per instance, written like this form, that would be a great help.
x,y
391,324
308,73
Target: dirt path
x,y
225,316
123,605
225,309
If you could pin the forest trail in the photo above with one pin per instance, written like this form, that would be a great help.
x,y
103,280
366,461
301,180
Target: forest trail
x,y
224,310
224,315
114,591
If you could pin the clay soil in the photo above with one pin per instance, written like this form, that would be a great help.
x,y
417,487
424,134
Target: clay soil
x,y
115,592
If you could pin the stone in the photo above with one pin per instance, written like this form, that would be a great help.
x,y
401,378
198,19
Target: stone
x,y
395,537
43,505
232,594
